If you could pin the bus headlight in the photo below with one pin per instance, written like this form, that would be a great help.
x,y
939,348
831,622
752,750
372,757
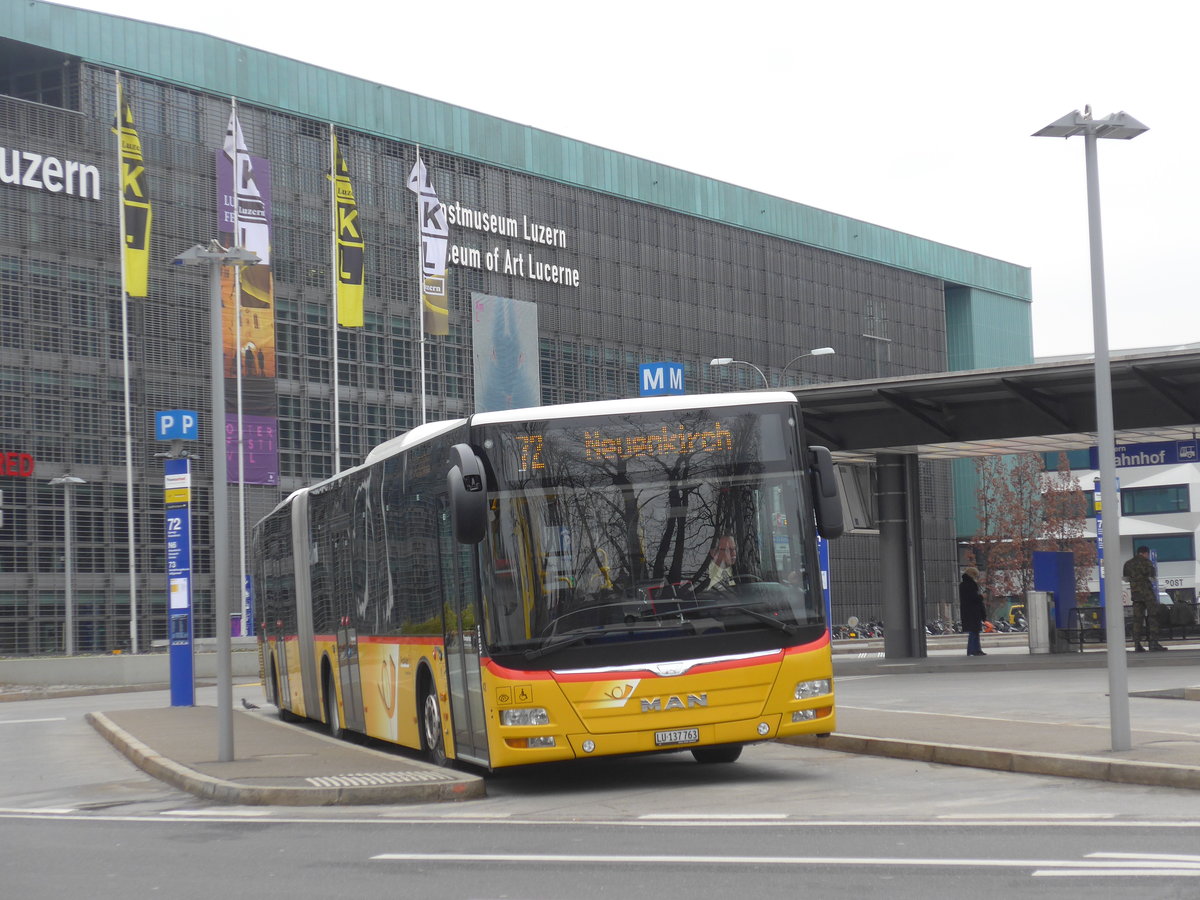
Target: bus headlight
x,y
532,715
818,687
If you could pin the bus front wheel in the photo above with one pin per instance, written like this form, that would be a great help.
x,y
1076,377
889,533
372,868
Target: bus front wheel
x,y
726,754
432,743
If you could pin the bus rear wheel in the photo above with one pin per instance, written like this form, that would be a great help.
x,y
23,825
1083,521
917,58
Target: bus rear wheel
x,y
726,754
432,743
274,694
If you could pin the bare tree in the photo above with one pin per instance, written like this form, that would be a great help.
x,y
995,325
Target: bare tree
x,y
1022,509
1065,506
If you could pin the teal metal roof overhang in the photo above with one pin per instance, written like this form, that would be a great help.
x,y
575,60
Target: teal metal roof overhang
x,y
223,68
1047,406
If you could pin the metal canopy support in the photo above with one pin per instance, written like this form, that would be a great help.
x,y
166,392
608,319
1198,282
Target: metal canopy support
x,y
1042,402
1169,391
937,418
901,563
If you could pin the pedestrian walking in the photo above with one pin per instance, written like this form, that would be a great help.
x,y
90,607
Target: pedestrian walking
x,y
1141,572
971,610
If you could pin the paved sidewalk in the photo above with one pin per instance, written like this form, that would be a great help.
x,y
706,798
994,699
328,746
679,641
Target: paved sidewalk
x,y
275,763
1044,714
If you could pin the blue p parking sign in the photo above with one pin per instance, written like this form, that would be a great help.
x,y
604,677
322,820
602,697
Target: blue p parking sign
x,y
176,425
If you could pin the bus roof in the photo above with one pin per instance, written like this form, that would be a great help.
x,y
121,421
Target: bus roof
x,y
416,435
632,404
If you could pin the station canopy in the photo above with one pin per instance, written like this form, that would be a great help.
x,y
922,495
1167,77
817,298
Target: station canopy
x,y
1043,407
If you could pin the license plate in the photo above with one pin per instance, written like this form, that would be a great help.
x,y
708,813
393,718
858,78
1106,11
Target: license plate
x,y
679,736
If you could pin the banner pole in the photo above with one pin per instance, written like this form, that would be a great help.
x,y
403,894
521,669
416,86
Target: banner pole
x,y
129,516
333,286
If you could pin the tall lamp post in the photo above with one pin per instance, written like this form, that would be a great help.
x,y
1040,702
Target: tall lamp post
x,y
820,351
67,483
215,257
1119,126
729,361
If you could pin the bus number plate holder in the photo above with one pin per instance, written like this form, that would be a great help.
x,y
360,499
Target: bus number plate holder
x,y
677,736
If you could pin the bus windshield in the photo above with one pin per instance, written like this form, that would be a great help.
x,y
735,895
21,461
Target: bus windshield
x,y
606,533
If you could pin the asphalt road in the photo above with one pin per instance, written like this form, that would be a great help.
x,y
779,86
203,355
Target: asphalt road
x,y
77,820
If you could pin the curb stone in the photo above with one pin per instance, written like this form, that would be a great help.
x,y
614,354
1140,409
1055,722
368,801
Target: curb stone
x,y
1121,771
221,791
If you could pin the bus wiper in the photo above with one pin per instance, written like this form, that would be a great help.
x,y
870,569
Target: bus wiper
x,y
568,640
755,614
578,637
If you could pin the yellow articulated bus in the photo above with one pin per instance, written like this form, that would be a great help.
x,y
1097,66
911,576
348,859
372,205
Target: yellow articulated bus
x,y
561,582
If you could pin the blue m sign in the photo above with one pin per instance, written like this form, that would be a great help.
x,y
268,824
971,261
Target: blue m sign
x,y
660,378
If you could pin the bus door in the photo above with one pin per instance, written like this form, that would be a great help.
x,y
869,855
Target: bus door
x,y
463,645
347,650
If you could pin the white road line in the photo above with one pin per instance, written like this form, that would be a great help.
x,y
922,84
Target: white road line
x,y
218,813
1036,864
38,811
26,721
1162,857
706,817
1120,873
1025,817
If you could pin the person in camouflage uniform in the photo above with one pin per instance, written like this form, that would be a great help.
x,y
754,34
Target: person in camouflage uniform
x,y
1141,572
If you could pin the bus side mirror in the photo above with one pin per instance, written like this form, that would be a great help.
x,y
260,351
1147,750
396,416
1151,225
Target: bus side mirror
x,y
467,484
825,493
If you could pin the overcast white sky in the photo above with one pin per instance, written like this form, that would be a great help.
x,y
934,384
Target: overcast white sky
x,y
915,116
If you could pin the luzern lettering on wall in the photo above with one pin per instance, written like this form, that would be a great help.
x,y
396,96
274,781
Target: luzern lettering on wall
x,y
49,173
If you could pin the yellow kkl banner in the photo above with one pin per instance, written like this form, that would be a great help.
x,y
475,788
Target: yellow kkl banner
x,y
135,201
349,245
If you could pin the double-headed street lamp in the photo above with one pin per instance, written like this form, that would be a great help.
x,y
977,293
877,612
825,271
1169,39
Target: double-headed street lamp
x,y
216,257
1119,126
728,360
67,483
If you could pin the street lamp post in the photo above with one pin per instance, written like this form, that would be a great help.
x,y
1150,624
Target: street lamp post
x,y
1119,126
729,361
215,257
67,483
820,351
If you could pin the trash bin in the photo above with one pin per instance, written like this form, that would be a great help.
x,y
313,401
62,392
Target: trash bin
x,y
1038,612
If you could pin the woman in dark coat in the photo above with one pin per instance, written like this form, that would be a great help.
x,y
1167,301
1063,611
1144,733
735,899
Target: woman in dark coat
x,y
971,609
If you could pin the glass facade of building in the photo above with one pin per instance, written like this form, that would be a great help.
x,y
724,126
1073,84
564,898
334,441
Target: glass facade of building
x,y
616,282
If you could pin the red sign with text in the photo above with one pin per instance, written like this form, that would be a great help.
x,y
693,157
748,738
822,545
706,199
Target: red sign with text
x,y
16,465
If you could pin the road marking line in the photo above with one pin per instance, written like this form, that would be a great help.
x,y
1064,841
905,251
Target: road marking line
x,y
1024,817
25,721
1169,857
706,817
1036,864
1122,873
39,810
218,813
